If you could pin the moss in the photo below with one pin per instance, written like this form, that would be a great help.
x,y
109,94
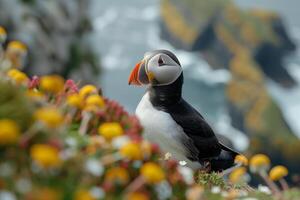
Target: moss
x,y
210,179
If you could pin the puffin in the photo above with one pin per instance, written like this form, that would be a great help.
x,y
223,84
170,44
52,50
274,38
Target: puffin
x,y
171,122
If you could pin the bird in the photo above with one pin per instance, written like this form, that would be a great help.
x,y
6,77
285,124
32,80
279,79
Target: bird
x,y
171,122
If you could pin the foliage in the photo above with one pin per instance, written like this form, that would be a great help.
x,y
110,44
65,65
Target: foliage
x,y
59,141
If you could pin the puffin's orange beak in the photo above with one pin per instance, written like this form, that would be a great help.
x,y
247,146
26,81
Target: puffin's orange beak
x,y
134,76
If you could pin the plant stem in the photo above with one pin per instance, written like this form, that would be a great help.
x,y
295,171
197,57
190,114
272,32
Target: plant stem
x,y
284,184
269,182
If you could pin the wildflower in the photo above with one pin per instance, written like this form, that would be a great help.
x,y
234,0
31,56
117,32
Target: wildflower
x,y
238,175
137,196
163,189
278,173
74,100
17,46
71,86
35,94
117,175
131,151
23,185
87,90
49,116
241,159
18,76
152,172
84,194
94,102
34,82
264,189
45,155
94,167
259,162
3,35
215,190
52,83
120,141
110,130
9,131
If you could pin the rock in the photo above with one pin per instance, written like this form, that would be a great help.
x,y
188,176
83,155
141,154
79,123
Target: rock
x,y
261,32
56,33
251,44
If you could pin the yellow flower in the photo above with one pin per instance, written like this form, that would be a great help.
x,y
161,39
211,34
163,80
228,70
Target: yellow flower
x,y
259,162
84,195
110,130
74,100
117,175
49,116
87,90
3,34
152,172
45,155
278,172
137,196
17,46
35,94
18,76
131,151
52,83
9,131
241,159
237,174
95,100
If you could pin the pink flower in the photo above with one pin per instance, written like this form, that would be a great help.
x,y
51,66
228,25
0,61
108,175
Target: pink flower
x,y
34,82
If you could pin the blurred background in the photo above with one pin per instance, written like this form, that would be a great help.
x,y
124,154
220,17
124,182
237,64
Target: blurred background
x,y
241,58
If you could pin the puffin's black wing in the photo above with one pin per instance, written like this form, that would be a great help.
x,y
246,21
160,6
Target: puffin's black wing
x,y
202,142
225,160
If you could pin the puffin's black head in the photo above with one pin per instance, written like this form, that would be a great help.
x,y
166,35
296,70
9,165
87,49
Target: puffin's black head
x,y
158,68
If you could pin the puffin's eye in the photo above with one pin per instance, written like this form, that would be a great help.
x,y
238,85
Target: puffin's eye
x,y
160,61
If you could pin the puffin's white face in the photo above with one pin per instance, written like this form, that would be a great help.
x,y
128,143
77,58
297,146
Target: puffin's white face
x,y
156,69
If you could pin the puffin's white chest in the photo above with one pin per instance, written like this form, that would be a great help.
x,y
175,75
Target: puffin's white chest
x,y
160,128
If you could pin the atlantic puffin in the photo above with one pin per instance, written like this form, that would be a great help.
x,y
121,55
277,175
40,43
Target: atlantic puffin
x,y
171,122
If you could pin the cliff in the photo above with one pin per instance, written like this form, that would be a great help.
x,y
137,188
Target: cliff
x,y
59,30
251,44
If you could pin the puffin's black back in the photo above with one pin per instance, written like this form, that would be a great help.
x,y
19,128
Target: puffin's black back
x,y
168,98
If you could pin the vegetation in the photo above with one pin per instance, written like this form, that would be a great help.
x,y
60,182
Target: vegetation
x,y
61,141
